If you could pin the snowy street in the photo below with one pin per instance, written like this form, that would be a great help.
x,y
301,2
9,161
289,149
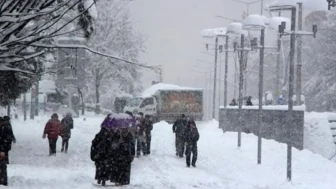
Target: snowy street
x,y
220,164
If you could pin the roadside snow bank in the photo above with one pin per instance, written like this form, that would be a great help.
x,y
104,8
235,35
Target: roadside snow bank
x,y
317,134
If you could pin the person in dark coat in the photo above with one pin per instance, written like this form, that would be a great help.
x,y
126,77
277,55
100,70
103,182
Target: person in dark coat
x,y
249,101
67,125
126,156
10,137
52,129
99,153
140,133
148,133
4,143
178,128
233,102
191,136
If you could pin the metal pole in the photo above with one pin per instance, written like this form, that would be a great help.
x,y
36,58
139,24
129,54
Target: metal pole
x,y
37,99
262,7
299,58
226,69
277,82
219,81
209,94
261,89
24,107
241,82
291,92
215,81
235,78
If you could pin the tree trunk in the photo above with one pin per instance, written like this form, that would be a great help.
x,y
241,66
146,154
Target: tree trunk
x,y
97,111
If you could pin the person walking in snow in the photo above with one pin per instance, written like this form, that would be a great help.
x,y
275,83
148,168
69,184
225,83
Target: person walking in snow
x,y
52,130
191,136
141,136
67,125
126,152
148,131
100,153
10,138
178,128
4,143
233,102
249,101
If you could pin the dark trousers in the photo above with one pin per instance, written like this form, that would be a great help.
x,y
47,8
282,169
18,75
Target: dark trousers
x,y
65,145
180,145
6,158
191,148
141,146
3,173
148,142
52,146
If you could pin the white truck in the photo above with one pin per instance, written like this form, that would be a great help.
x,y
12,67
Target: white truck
x,y
167,102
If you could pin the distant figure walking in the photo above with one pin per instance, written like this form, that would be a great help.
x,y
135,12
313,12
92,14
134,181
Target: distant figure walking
x,y
10,138
233,102
52,130
191,136
67,125
249,101
178,128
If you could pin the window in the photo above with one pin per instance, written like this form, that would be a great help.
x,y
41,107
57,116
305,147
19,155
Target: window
x,y
147,101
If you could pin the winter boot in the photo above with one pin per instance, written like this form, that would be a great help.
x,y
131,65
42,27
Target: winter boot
x,y
103,182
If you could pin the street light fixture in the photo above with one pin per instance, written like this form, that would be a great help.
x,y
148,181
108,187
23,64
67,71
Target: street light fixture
x,y
210,33
331,3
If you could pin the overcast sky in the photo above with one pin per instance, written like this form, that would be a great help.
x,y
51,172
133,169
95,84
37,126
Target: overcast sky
x,y
173,27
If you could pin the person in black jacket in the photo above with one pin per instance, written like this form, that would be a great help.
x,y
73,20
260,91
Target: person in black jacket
x,y
148,133
126,152
10,137
67,124
99,154
178,128
4,143
191,136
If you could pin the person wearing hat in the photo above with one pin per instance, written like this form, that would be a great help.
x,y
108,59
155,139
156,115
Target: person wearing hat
x,y
3,149
52,130
67,125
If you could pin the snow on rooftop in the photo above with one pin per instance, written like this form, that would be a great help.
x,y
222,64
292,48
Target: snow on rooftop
x,y
236,28
313,5
213,32
276,21
162,86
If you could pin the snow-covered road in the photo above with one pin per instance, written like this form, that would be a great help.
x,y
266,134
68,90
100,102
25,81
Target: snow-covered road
x,y
220,165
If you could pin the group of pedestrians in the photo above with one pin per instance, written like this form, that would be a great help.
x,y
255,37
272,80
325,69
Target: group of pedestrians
x,y
122,136
6,139
55,128
186,138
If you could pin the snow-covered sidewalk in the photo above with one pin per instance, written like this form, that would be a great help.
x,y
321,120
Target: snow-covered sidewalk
x,y
220,164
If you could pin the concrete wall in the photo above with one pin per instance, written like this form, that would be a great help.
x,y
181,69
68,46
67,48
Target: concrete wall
x,y
274,124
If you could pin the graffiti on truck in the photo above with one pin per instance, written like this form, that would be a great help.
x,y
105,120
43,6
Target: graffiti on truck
x,y
182,101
